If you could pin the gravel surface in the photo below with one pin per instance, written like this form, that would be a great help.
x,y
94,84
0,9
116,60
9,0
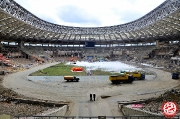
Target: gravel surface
x,y
15,108
77,93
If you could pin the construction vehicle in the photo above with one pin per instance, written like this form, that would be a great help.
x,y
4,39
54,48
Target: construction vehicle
x,y
121,78
175,74
71,78
137,75
77,69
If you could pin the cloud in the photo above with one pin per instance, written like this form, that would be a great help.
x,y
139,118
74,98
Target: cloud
x,y
130,16
89,13
73,14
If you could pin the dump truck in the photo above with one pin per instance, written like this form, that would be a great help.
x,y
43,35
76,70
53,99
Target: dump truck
x,y
121,78
137,75
71,78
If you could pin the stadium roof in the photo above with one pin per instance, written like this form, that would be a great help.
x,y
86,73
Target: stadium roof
x,y
18,24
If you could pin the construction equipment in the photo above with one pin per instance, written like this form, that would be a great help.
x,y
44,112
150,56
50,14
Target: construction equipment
x,y
175,74
77,69
71,78
122,78
137,75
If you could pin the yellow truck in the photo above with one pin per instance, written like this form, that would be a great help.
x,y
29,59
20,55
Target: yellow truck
x,y
121,78
137,75
71,78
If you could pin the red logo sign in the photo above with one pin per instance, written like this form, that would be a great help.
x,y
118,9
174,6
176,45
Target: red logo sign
x,y
136,105
169,109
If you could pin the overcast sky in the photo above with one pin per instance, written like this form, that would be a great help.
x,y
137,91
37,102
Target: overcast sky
x,y
89,13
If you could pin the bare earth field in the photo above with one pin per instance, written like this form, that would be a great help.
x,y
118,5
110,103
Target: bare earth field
x,y
77,93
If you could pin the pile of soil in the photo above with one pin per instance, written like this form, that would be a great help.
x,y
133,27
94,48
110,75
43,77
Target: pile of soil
x,y
14,108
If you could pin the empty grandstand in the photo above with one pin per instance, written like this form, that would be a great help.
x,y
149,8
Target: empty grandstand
x,y
28,41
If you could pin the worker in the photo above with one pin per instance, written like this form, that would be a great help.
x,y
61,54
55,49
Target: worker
x,y
94,96
90,96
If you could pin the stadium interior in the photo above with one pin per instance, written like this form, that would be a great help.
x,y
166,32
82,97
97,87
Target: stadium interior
x,y
27,41
15,58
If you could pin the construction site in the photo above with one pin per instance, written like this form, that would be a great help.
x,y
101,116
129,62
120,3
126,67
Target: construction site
x,y
132,68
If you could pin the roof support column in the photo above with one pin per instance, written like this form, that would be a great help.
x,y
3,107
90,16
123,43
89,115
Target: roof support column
x,y
21,44
157,43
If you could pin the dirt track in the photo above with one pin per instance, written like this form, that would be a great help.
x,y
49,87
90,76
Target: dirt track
x,y
78,92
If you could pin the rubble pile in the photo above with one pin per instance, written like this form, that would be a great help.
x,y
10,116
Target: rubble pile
x,y
14,108
20,109
154,104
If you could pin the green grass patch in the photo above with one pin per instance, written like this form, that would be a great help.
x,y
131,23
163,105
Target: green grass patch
x,y
57,70
65,70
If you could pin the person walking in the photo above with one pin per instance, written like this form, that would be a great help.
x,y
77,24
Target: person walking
x,y
94,96
90,96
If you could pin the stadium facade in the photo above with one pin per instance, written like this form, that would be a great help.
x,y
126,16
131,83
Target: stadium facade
x,y
20,26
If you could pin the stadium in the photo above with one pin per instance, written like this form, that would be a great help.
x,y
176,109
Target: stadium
x,y
30,44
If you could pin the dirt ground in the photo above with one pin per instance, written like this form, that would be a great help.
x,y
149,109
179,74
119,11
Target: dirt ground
x,y
77,93
9,107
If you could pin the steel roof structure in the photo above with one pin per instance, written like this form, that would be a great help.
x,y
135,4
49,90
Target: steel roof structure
x,y
18,24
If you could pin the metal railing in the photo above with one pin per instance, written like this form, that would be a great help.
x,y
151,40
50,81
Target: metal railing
x,y
93,117
44,117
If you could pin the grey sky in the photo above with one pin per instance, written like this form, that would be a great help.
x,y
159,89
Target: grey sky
x,y
89,13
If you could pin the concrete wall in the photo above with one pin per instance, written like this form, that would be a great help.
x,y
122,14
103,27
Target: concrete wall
x,y
128,111
55,112
4,116
52,112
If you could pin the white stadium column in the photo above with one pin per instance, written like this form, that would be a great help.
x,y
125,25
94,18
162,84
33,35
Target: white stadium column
x,y
21,44
157,43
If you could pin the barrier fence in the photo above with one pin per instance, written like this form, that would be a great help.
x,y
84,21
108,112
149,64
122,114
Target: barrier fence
x,y
94,117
